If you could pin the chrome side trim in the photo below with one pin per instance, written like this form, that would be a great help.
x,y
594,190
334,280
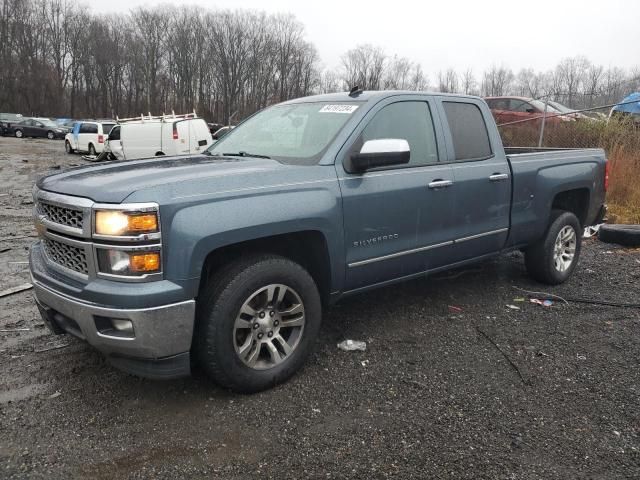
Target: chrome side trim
x,y
424,249
480,235
399,254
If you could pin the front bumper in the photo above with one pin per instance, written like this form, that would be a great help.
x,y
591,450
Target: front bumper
x,y
158,346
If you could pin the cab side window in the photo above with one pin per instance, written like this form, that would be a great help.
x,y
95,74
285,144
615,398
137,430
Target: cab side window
x,y
468,131
410,121
114,134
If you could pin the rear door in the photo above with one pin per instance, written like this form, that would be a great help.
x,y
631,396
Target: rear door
x,y
183,140
393,221
482,178
115,143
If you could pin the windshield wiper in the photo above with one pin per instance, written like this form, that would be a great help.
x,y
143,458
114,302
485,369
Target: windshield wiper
x,y
245,154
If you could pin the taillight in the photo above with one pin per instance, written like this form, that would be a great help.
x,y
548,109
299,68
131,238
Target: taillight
x,y
100,138
175,131
606,176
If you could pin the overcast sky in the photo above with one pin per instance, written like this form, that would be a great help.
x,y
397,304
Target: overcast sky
x,y
457,33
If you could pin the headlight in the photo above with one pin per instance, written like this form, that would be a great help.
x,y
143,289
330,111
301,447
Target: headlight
x,y
122,262
118,223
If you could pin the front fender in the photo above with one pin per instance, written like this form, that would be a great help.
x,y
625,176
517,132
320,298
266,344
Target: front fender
x,y
197,229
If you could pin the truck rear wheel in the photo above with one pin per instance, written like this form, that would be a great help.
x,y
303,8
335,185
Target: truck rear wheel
x,y
257,322
554,257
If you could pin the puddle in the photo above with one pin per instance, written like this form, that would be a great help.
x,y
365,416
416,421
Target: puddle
x,y
21,393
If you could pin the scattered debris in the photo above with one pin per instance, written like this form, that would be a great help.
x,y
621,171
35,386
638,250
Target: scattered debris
x,y
352,345
519,299
551,295
19,288
591,231
513,365
57,347
364,363
513,307
3,250
11,330
27,201
581,357
616,433
56,394
542,354
315,410
544,303
453,308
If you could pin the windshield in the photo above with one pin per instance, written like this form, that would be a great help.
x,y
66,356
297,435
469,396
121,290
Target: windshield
x,y
540,106
48,123
297,134
560,107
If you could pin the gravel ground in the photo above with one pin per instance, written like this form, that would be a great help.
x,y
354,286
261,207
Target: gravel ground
x,y
477,391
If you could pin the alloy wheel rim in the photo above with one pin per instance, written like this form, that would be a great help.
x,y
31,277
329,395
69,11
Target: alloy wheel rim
x,y
564,250
268,328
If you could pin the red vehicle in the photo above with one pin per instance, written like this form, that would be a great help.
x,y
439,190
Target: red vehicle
x,y
513,109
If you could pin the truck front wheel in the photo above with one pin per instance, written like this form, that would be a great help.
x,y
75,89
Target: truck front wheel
x,y
257,320
554,257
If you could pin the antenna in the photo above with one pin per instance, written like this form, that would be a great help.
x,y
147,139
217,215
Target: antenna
x,y
355,91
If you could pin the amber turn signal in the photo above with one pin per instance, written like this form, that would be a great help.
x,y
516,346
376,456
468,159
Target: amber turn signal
x,y
144,262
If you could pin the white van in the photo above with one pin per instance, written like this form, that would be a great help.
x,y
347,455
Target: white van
x,y
88,136
146,137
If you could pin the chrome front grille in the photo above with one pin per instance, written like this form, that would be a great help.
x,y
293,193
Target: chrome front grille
x,y
69,217
67,256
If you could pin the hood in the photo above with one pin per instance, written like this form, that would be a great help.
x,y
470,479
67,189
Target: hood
x,y
113,182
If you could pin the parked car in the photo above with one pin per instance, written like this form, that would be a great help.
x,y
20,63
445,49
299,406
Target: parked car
x,y
570,112
88,136
36,128
222,132
628,109
228,257
214,127
513,109
155,136
7,120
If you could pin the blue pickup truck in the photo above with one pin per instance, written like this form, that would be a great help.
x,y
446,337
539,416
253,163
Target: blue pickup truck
x,y
227,258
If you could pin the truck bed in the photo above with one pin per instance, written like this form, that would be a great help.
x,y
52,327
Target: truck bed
x,y
536,172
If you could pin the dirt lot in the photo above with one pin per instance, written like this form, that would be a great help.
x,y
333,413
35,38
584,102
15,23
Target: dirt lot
x,y
478,391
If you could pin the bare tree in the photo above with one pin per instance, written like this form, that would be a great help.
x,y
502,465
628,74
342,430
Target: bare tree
x,y
364,66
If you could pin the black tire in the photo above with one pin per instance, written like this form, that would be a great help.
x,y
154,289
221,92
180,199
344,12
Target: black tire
x,y
539,257
18,133
92,149
67,147
159,154
626,235
219,304
51,135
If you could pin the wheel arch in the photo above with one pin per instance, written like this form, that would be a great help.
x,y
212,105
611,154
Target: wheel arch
x,y
575,201
309,248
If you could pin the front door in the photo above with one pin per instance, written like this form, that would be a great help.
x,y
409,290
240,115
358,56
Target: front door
x,y
482,181
393,220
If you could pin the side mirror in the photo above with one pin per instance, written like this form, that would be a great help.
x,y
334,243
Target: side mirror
x,y
531,110
380,153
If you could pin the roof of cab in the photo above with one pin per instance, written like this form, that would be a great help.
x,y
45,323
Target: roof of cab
x,y
368,95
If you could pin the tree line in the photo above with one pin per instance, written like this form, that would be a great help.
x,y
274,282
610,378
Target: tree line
x,y
59,58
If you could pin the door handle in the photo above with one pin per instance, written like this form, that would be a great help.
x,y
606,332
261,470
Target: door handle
x,y
440,184
496,177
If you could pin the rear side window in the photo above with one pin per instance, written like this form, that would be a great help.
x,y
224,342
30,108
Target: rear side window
x,y
89,128
410,121
468,131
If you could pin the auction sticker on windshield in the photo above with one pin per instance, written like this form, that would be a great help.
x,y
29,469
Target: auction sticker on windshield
x,y
338,109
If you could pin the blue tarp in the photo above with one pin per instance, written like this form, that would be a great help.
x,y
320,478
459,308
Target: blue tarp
x,y
629,107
